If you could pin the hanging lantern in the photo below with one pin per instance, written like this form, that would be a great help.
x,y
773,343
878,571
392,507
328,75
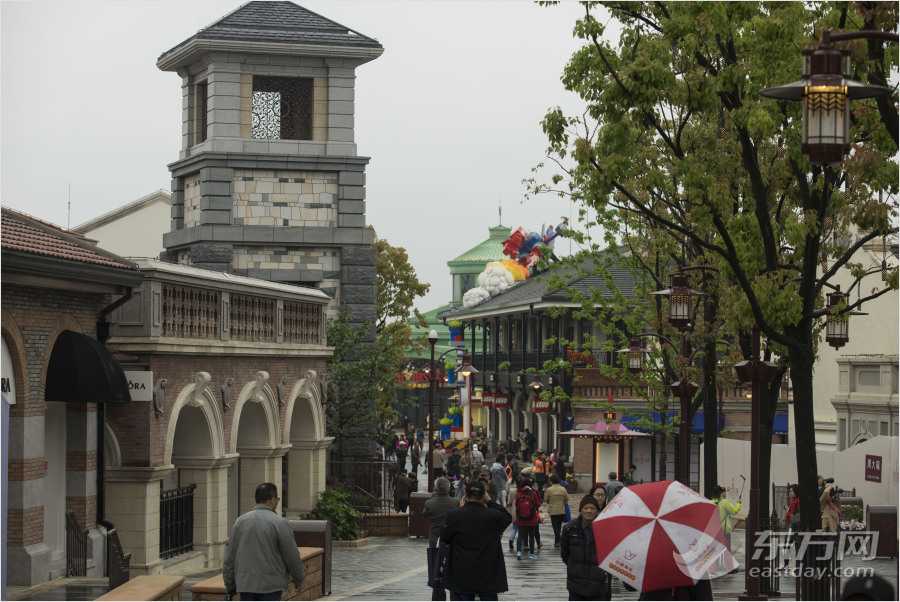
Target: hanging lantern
x,y
680,302
836,326
635,355
826,92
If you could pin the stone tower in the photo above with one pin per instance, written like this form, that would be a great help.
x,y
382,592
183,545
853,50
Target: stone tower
x,y
268,182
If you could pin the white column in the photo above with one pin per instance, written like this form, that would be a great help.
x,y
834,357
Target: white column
x,y
306,475
210,475
258,466
132,505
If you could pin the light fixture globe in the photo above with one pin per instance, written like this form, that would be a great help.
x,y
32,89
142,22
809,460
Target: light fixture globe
x,y
826,91
837,324
635,359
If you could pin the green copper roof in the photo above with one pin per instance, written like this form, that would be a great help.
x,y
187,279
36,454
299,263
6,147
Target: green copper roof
x,y
484,252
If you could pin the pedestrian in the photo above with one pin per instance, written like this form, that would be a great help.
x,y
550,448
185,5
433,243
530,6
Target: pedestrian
x,y
598,492
726,511
512,470
561,468
585,580
511,491
628,479
261,555
437,460
830,505
435,512
530,444
453,463
477,459
528,515
415,457
465,462
499,476
613,486
792,522
476,566
402,487
402,451
556,497
541,469
485,477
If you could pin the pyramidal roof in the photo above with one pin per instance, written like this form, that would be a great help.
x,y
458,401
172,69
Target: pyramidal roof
x,y
272,24
485,251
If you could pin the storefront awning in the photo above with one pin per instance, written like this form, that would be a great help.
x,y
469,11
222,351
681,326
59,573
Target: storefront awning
x,y
780,426
81,369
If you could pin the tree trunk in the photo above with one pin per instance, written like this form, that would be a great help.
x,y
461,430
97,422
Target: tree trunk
x,y
805,432
710,421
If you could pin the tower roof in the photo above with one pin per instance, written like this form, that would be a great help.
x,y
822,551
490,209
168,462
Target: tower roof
x,y
273,28
485,251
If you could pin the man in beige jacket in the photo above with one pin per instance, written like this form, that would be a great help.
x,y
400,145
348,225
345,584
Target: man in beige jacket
x,y
556,497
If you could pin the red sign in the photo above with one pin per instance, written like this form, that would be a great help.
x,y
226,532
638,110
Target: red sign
x,y
873,469
540,406
487,400
500,400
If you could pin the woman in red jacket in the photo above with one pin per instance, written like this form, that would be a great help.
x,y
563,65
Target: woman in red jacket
x,y
528,514
793,511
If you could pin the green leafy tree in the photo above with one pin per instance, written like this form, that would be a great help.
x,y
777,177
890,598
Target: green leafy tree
x,y
675,134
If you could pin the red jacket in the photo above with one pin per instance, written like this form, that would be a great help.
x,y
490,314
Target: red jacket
x,y
535,500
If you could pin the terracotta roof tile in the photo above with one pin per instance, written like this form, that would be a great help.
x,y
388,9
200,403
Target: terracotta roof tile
x,y
23,234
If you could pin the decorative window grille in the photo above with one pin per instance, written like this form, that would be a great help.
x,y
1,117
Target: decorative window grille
x,y
190,313
282,108
202,109
252,318
302,323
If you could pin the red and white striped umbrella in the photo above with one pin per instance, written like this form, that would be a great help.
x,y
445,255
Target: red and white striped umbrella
x,y
659,535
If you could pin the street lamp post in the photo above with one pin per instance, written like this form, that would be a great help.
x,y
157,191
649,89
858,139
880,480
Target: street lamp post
x,y
432,385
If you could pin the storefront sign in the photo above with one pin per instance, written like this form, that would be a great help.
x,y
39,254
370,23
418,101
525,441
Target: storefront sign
x,y
540,406
487,400
414,380
500,400
140,385
873,469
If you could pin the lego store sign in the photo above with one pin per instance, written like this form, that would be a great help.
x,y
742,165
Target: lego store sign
x,y
873,469
540,406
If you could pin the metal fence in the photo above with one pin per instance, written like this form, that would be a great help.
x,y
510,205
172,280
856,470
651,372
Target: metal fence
x,y
76,547
118,563
176,521
370,484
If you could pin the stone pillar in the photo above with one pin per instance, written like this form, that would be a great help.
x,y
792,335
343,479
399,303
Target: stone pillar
x,y
541,435
132,505
306,475
258,466
210,475
81,482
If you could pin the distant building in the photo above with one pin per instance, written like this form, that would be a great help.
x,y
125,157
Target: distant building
x,y
135,229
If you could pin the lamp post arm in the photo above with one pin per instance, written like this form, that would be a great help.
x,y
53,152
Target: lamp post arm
x,y
658,336
828,37
701,350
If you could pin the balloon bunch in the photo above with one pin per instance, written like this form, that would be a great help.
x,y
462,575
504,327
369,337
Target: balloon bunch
x,y
500,275
528,247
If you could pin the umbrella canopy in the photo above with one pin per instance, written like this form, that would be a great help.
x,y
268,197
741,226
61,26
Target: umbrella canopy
x,y
659,535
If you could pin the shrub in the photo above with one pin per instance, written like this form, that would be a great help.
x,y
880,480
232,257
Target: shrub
x,y
334,505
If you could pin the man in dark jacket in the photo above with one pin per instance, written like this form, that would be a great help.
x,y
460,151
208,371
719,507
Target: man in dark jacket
x,y
435,512
403,486
476,565
584,579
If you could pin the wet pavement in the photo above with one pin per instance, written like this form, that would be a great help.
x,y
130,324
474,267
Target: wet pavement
x,y
393,568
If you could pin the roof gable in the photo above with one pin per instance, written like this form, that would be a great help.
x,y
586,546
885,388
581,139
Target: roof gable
x,y
22,234
278,23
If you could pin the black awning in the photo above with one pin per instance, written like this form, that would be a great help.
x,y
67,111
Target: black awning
x,y
83,370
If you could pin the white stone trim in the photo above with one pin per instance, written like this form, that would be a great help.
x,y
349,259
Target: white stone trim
x,y
258,391
210,410
307,390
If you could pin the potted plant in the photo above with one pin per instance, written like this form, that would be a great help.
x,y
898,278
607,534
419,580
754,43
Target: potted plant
x,y
852,518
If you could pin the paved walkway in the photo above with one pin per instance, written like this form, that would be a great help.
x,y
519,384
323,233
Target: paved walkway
x,y
393,568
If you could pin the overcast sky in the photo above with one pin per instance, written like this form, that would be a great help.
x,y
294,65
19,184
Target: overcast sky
x,y
449,114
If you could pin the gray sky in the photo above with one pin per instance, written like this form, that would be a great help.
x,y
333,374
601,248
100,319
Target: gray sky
x,y
449,114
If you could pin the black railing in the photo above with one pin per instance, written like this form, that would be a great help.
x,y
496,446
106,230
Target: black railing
x,y
770,560
118,563
820,578
76,547
176,521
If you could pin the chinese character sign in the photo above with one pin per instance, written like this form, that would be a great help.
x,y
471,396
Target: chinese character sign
x,y
873,469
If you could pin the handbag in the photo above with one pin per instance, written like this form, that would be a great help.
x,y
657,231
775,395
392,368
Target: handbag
x,y
795,519
437,564
568,512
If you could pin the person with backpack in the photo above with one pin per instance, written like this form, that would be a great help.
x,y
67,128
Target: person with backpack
x,y
528,514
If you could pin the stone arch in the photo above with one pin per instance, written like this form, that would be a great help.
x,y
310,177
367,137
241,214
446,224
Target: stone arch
x,y
304,419
260,428
112,453
304,430
201,433
12,334
864,433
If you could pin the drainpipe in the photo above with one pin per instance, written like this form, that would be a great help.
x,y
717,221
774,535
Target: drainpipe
x,y
103,336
